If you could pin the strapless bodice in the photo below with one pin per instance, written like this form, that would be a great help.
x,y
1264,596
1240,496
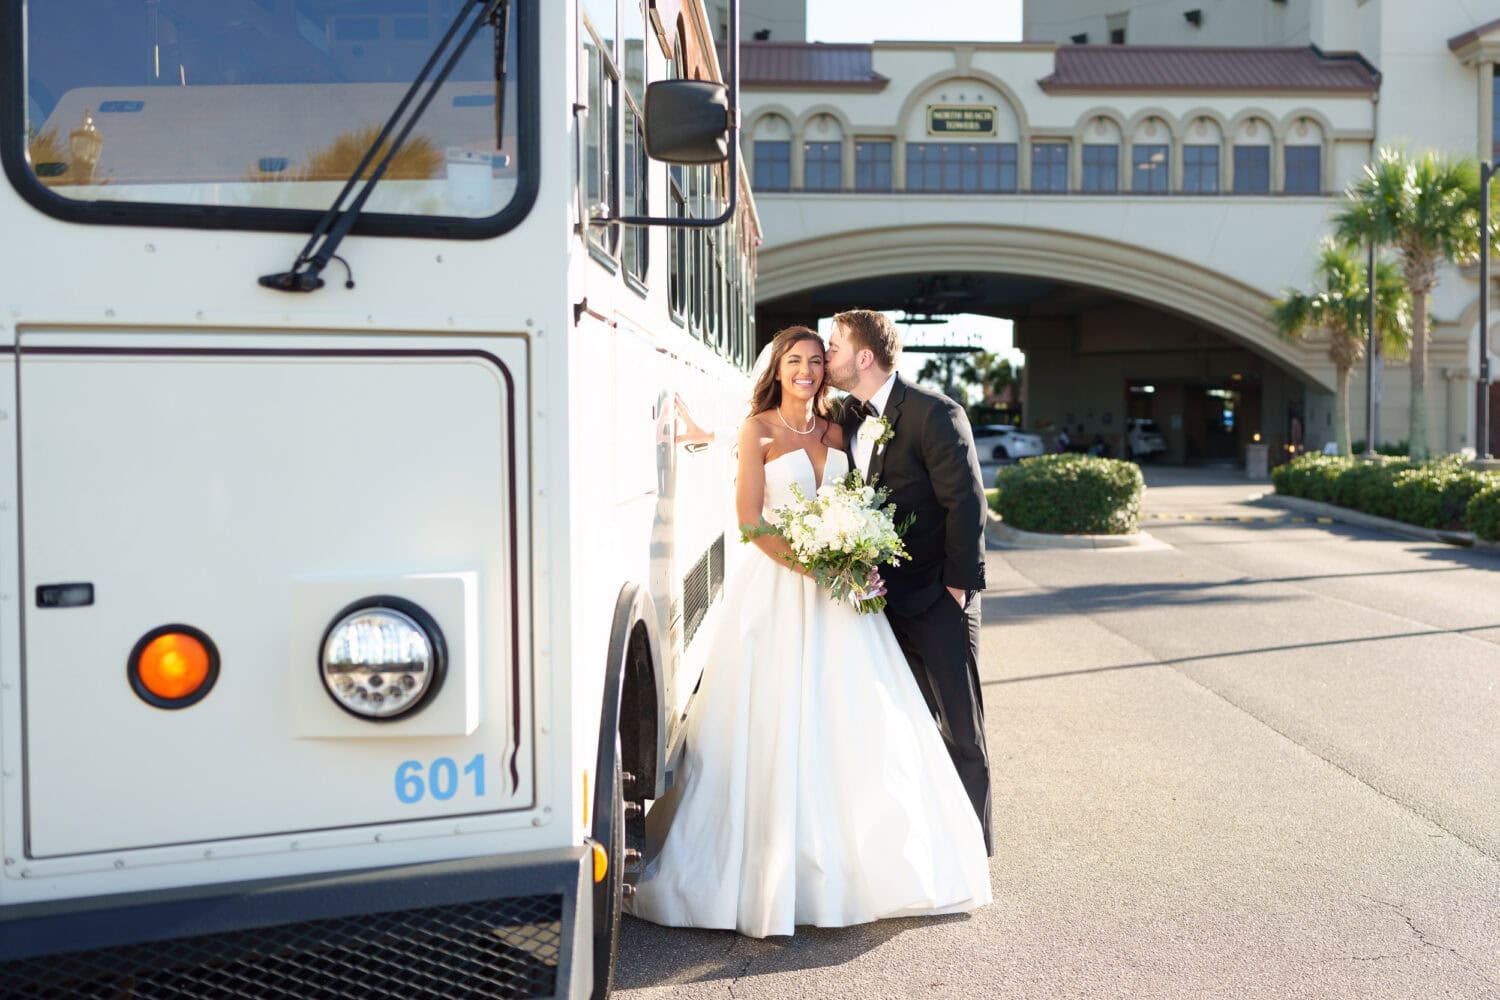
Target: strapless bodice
x,y
797,467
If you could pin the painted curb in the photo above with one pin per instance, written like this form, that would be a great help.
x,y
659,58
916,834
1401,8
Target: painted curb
x,y
1462,539
998,533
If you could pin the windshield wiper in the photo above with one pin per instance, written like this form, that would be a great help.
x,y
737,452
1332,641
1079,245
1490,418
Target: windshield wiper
x,y
305,275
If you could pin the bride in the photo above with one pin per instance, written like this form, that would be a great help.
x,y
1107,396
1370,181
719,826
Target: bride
x,y
815,787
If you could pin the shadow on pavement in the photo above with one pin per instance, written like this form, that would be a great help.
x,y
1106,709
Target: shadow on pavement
x,y
1256,651
1104,597
653,956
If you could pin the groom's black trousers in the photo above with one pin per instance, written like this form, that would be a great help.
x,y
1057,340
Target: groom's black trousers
x,y
942,647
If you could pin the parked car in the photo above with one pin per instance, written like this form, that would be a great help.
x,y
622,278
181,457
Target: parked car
x,y
1143,439
998,442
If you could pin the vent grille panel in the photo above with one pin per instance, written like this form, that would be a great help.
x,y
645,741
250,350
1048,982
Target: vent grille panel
x,y
701,587
495,948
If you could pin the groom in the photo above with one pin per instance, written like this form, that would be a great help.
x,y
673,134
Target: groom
x,y
924,455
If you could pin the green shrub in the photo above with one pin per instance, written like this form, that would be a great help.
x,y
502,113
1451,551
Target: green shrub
x,y
1436,493
1310,476
1370,486
1483,514
1071,494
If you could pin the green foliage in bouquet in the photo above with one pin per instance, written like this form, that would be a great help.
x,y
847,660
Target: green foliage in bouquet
x,y
1071,494
839,536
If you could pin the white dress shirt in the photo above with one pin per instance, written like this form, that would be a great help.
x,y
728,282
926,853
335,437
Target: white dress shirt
x,y
864,445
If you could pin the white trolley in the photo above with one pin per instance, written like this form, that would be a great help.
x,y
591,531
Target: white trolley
x,y
349,596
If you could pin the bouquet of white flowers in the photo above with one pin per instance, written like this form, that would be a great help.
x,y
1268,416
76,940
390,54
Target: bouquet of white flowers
x,y
840,536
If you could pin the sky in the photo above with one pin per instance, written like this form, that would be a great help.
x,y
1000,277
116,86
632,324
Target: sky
x,y
892,20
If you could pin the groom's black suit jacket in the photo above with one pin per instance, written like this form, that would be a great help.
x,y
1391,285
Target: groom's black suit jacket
x,y
932,470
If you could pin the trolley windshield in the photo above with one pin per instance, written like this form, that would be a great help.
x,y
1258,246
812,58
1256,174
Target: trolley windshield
x,y
262,105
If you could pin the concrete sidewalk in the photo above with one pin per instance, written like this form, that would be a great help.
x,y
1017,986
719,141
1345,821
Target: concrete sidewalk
x,y
1258,764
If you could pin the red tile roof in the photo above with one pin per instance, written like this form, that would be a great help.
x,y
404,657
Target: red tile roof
x,y
1201,69
1472,35
803,65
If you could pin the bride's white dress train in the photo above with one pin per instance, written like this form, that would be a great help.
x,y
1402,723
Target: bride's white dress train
x,y
814,788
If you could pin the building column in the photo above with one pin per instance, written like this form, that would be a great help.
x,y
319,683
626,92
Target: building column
x,y
1127,175
846,162
1278,165
898,164
1023,162
1457,405
798,166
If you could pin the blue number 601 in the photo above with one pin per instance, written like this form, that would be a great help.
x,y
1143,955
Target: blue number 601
x,y
442,779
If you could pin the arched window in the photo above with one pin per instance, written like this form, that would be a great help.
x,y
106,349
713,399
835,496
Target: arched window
x,y
1302,158
1202,148
823,154
771,154
962,136
1102,139
1252,157
1151,157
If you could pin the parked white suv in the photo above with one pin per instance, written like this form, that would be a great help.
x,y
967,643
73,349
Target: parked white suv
x,y
1143,439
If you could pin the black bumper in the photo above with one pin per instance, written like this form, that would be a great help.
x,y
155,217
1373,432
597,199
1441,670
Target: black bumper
x,y
507,926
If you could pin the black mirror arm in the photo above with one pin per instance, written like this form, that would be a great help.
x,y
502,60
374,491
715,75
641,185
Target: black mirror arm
x,y
733,72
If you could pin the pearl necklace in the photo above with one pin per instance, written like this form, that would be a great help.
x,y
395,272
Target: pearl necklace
x,y
810,429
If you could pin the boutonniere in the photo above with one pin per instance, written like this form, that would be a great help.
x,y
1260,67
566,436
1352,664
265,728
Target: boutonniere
x,y
880,427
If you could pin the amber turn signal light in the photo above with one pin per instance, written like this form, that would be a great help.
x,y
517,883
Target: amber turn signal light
x,y
173,666
601,862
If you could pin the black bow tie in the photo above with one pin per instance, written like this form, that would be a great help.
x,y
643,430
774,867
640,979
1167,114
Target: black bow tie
x,y
867,409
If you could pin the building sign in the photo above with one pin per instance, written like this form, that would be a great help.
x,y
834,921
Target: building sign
x,y
965,119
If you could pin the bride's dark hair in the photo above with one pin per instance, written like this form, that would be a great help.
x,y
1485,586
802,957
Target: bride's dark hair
x,y
767,392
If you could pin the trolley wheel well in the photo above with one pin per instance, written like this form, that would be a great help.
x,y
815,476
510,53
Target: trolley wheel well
x,y
633,708
639,714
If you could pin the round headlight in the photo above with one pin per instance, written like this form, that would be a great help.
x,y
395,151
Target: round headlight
x,y
382,658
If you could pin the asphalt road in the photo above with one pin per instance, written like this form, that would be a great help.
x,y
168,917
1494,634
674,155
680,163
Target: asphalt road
x,y
1263,762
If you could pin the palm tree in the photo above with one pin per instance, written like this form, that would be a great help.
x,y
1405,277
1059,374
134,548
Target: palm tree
x,y
1339,306
950,372
1427,209
954,373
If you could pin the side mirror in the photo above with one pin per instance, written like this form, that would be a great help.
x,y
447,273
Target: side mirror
x,y
687,121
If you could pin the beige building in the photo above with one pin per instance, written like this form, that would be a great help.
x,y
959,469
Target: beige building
x,y
1133,207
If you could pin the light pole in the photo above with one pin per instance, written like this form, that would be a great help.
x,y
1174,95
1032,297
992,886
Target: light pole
x,y
1370,363
1482,432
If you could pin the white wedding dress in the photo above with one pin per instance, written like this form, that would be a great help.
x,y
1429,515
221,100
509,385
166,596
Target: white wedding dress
x,y
814,788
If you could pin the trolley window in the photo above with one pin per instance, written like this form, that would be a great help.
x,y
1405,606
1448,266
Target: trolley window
x,y
254,112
